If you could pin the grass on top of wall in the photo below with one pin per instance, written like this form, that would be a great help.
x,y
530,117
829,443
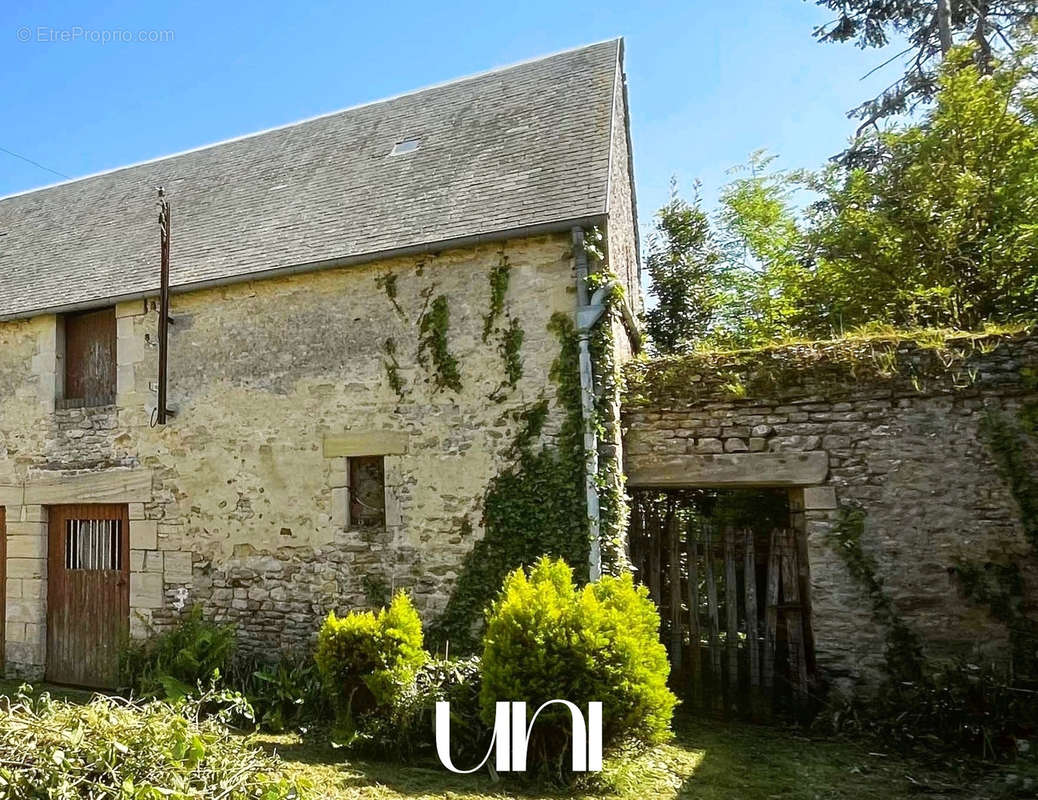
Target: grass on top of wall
x,y
871,353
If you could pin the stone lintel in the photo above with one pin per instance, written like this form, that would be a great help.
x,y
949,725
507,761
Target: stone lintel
x,y
729,470
109,486
367,443
131,308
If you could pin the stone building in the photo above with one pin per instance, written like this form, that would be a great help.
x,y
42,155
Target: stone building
x,y
360,316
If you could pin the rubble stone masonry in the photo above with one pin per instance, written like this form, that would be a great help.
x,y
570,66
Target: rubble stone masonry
x,y
240,502
894,428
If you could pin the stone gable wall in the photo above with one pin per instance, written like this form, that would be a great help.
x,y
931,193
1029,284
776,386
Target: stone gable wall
x,y
897,431
621,235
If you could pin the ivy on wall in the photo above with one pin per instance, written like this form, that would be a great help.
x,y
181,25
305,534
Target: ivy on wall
x,y
500,276
537,506
510,334
387,283
1007,441
534,507
432,339
510,349
392,367
612,495
998,584
903,653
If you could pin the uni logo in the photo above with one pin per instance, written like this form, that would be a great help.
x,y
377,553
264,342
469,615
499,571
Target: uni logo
x,y
512,736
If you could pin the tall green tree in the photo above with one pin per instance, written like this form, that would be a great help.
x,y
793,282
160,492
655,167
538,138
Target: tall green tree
x,y
761,242
682,263
942,230
996,29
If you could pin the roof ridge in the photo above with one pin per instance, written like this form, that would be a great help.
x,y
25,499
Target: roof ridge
x,y
315,118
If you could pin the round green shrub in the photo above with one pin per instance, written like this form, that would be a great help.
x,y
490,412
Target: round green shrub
x,y
367,659
547,640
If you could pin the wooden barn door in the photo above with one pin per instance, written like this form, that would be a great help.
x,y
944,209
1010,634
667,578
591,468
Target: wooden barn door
x,y
88,594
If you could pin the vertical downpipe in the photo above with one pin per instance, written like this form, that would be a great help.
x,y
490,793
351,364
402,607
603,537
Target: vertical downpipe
x,y
587,405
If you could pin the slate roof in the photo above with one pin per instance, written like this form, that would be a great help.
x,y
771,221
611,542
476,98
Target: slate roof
x,y
507,151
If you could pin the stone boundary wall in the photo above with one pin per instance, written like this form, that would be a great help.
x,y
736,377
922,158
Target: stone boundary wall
x,y
891,426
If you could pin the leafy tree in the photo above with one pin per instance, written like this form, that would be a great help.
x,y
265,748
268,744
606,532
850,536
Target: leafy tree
x,y
682,262
943,229
761,243
931,27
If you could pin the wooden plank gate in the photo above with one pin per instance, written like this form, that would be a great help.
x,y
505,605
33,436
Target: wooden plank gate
x,y
88,594
732,609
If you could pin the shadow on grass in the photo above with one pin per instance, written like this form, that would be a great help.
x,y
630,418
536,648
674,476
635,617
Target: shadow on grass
x,y
658,773
708,760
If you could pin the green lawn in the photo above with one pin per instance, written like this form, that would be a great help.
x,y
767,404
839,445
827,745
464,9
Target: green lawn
x,y
708,760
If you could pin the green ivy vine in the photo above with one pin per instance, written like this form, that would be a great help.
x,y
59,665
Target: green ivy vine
x,y
612,494
500,276
387,283
510,347
1007,442
998,584
903,653
392,367
534,507
433,328
511,334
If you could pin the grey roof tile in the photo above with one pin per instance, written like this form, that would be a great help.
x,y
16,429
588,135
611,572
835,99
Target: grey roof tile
x,y
523,146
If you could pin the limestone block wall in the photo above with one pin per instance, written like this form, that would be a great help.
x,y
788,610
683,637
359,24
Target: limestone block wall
x,y
239,503
891,427
622,232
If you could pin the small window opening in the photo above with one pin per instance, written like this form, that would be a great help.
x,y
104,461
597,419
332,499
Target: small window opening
x,y
367,492
93,544
406,146
89,353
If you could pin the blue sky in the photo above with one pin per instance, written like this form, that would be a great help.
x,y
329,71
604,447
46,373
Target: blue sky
x,y
709,81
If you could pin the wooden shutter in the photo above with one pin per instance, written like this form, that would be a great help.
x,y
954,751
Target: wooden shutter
x,y
90,358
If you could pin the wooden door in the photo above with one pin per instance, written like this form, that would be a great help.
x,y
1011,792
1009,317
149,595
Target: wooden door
x,y
88,594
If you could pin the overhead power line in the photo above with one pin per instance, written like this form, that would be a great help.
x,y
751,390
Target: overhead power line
x,y
34,163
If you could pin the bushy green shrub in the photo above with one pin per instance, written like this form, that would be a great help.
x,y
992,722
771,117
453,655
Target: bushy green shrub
x,y
113,748
407,731
283,693
367,659
548,640
175,663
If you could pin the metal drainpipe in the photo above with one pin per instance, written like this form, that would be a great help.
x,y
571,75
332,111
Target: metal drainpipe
x,y
588,314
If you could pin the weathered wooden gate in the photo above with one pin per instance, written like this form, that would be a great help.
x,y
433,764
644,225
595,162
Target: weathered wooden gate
x,y
88,593
732,605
